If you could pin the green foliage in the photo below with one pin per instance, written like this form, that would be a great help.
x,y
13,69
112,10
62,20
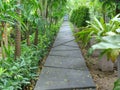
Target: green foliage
x,y
117,85
42,15
98,28
106,36
110,46
15,74
80,16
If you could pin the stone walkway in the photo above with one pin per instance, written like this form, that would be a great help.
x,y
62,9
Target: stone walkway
x,y
65,68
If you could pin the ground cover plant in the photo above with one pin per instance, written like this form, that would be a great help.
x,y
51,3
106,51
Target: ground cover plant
x,y
27,31
103,27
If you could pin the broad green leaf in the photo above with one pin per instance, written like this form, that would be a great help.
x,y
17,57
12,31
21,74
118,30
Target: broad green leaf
x,y
105,45
99,23
110,33
112,39
114,54
117,85
2,71
116,18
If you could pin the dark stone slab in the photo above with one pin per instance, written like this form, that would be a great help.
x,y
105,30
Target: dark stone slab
x,y
72,43
65,48
65,31
66,62
64,79
63,34
65,68
64,38
62,41
74,53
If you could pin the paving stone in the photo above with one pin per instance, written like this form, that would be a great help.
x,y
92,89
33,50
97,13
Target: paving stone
x,y
65,68
74,53
65,48
66,62
64,79
65,30
65,34
72,43
64,38
62,41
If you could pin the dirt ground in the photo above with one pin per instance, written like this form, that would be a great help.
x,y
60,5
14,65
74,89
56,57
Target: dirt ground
x,y
103,80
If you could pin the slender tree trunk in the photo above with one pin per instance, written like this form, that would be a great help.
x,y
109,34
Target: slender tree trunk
x,y
36,37
4,41
28,38
104,16
2,50
18,35
117,9
5,33
17,42
27,34
6,36
47,12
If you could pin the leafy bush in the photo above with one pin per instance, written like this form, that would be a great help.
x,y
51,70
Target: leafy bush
x,y
117,85
80,16
17,74
97,29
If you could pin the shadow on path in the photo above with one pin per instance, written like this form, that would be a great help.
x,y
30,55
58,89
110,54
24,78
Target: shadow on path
x,y
65,68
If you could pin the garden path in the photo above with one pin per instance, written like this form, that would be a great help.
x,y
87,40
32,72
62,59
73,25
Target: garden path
x,y
65,68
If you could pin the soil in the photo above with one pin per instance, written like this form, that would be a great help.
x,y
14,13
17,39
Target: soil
x,y
103,80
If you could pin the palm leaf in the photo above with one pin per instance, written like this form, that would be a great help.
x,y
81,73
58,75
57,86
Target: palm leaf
x,y
98,23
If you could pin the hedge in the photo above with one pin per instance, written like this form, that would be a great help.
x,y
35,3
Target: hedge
x,y
80,16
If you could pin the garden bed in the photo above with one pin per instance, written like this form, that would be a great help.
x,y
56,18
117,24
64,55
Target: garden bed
x,y
103,80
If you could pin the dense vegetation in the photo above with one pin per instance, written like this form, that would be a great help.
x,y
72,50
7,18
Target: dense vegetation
x,y
80,16
27,30
103,27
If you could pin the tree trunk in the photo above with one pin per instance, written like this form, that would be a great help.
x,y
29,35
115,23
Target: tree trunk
x,y
117,9
28,38
2,50
4,42
17,42
104,17
36,37
47,12
6,36
18,35
27,34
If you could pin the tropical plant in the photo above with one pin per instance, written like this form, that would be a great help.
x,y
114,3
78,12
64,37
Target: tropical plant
x,y
80,16
34,24
18,32
110,46
96,29
117,85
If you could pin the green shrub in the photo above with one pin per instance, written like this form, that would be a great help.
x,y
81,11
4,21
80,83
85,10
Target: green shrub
x,y
117,85
80,16
17,74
